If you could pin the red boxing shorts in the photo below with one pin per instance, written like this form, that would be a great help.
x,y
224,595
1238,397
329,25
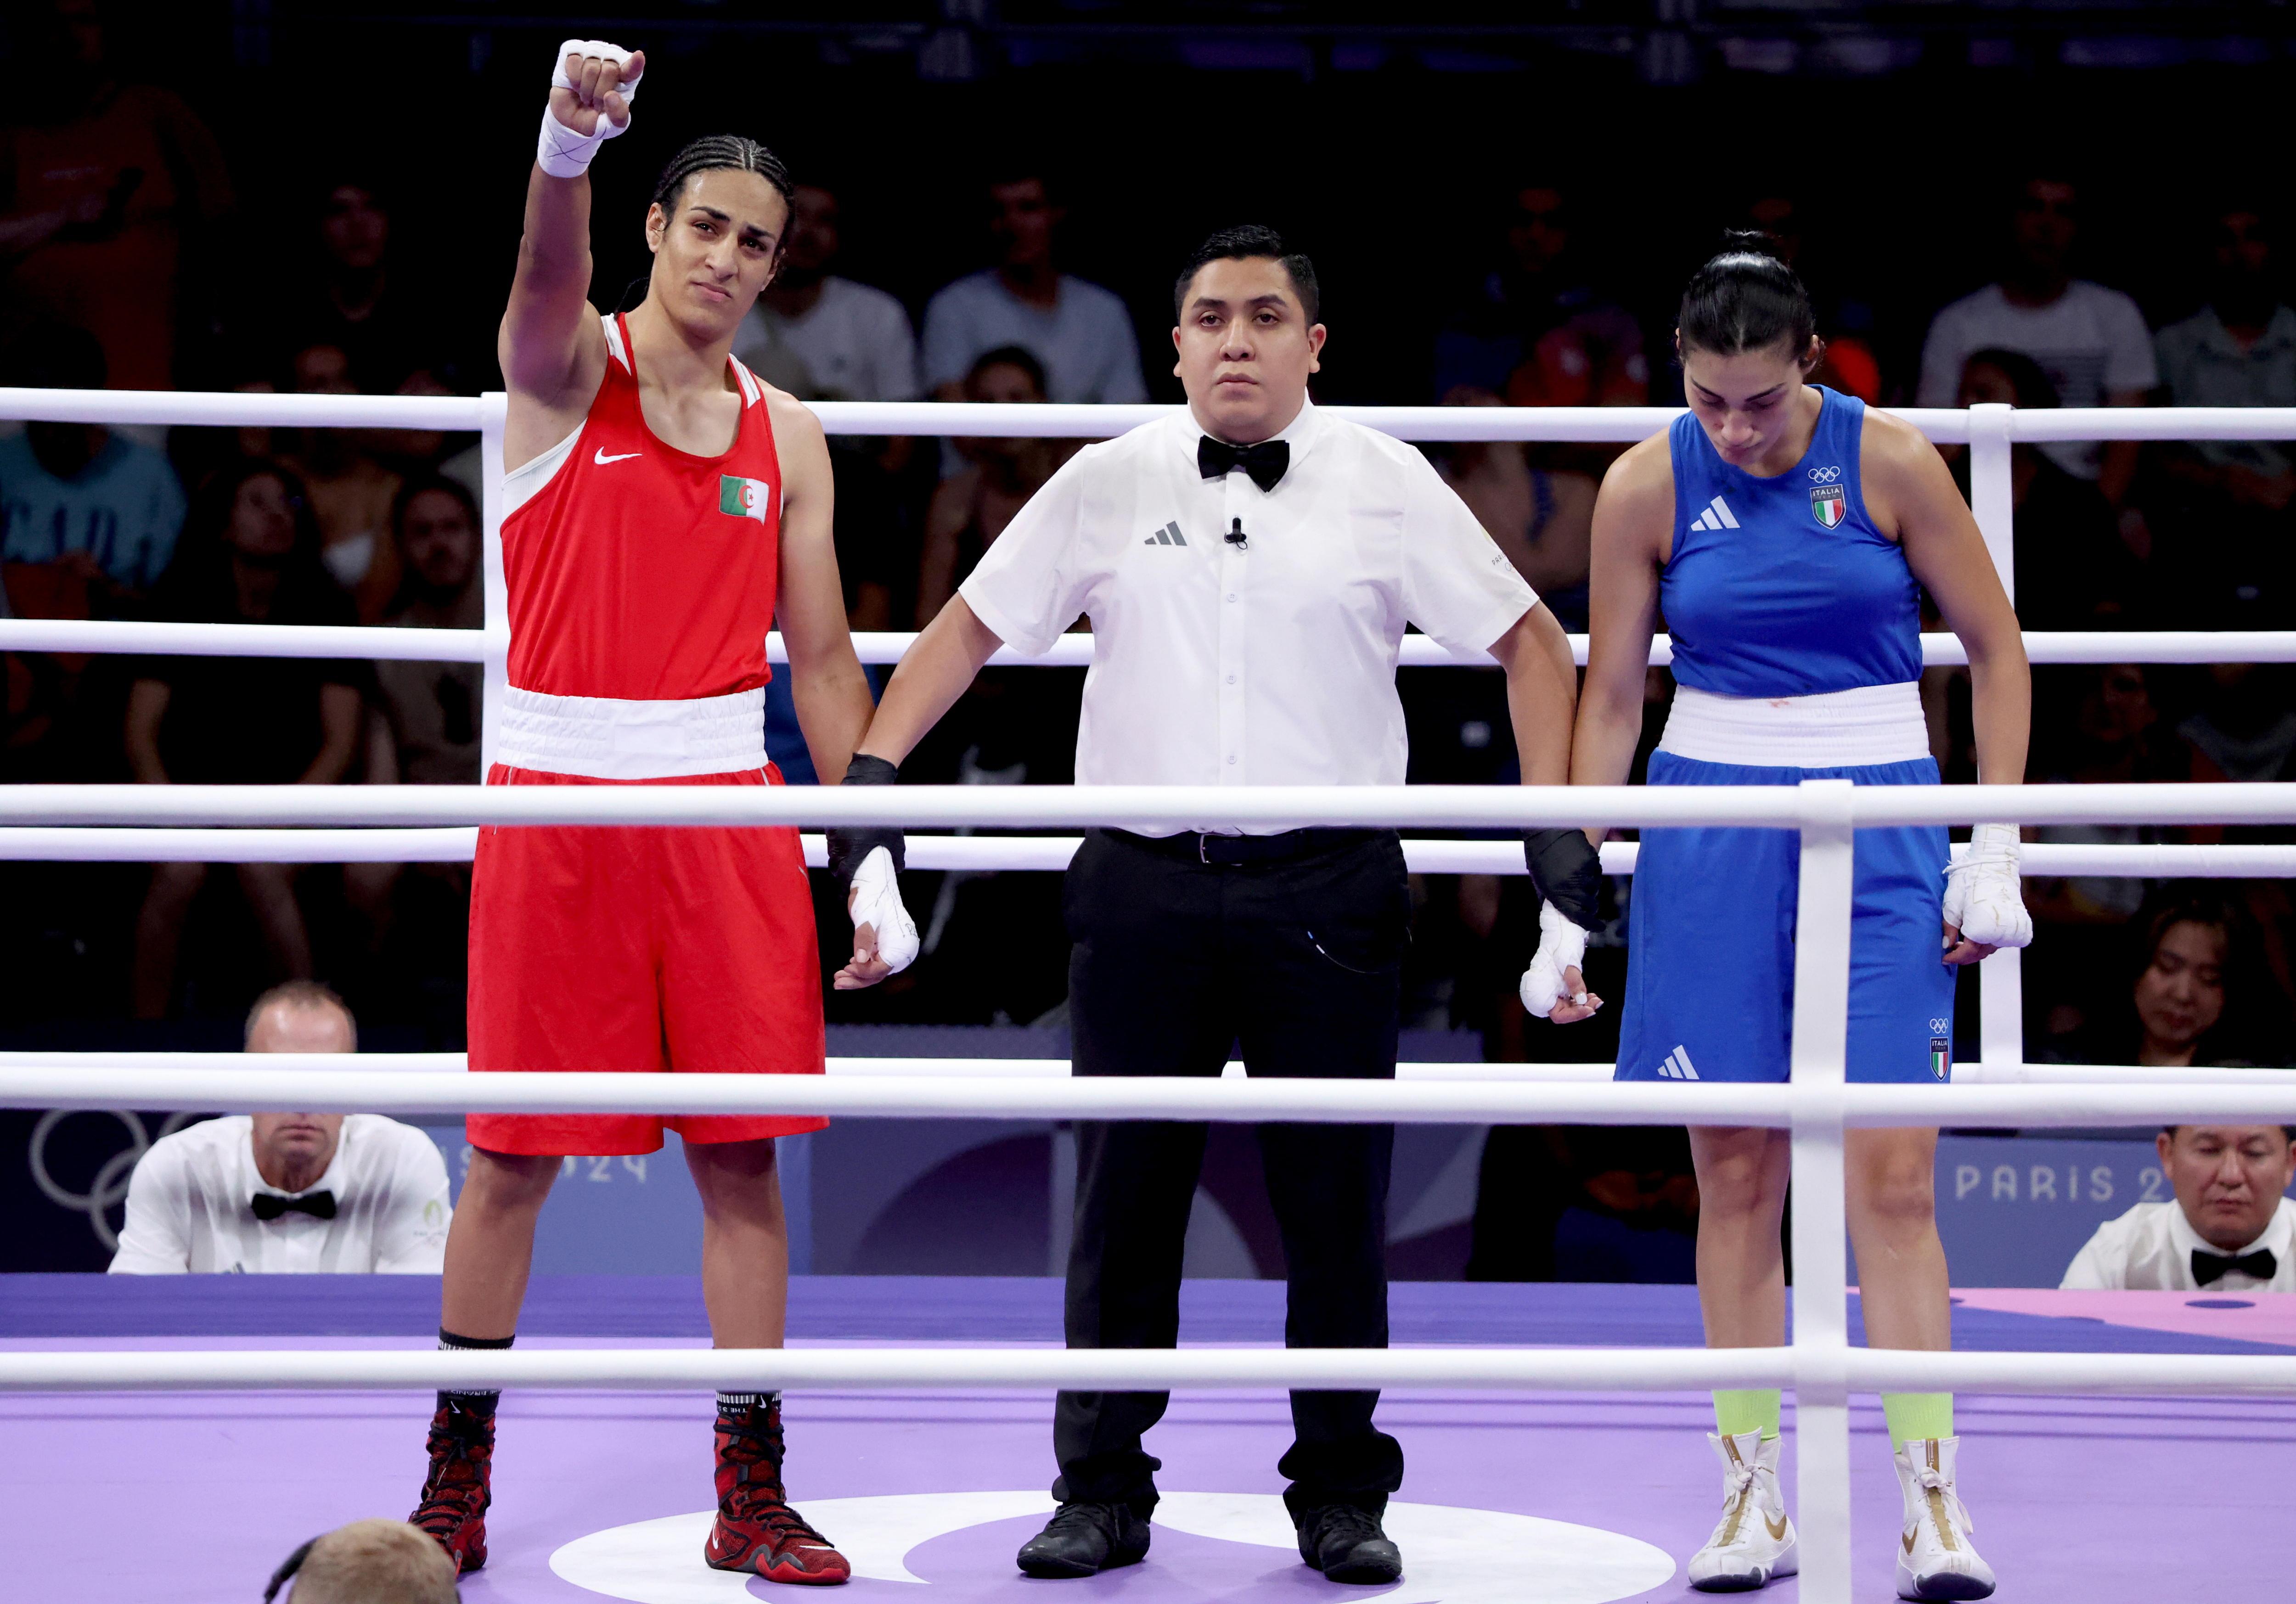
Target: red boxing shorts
x,y
629,948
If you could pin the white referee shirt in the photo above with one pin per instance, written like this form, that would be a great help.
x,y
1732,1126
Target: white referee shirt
x,y
1270,665
189,1205
2150,1249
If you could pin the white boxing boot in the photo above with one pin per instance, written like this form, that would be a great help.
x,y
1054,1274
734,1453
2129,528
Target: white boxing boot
x,y
1753,1543
1935,1560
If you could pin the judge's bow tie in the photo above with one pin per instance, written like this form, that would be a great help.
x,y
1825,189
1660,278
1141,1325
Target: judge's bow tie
x,y
2210,1268
1265,462
270,1206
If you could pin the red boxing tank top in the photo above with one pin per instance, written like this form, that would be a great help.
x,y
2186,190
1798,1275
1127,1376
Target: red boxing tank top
x,y
638,571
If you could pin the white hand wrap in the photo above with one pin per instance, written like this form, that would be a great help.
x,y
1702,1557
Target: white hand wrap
x,y
1982,897
562,153
877,904
1561,945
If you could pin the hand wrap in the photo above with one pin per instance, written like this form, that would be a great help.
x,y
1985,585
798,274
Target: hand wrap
x,y
562,153
877,904
1567,871
1561,945
1983,899
849,844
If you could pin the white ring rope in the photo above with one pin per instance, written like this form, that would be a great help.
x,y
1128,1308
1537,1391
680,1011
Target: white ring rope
x,y
1075,421
1152,808
983,854
2262,1098
192,1066
393,643
1481,1369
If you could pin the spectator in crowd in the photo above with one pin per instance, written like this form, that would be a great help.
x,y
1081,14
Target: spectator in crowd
x,y
351,492
367,1562
288,1193
822,337
104,190
93,514
357,297
2091,341
2231,1229
2199,995
2073,569
2244,728
425,727
2224,515
1536,331
2093,726
1542,520
1079,334
825,338
971,509
1849,363
250,555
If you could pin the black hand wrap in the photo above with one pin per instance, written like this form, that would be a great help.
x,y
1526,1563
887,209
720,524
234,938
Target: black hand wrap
x,y
1566,871
850,843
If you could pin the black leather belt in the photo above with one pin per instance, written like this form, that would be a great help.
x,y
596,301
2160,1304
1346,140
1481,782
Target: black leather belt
x,y
1232,849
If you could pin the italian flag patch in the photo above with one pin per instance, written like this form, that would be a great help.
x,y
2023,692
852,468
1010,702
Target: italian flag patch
x,y
744,497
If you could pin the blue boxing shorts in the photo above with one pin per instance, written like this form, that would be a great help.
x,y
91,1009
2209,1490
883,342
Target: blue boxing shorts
x,y
1710,942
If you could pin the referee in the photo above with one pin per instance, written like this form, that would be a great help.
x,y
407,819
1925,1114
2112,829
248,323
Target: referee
x,y
1249,568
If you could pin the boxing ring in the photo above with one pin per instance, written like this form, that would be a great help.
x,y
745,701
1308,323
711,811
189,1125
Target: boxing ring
x,y
1821,1365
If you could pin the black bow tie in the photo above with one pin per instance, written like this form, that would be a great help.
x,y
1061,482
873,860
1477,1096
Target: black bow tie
x,y
1265,462
2210,1268
270,1206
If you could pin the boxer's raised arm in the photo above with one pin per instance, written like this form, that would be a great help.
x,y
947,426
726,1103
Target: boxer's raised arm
x,y
552,349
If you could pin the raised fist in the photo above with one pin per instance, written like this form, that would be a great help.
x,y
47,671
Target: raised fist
x,y
593,83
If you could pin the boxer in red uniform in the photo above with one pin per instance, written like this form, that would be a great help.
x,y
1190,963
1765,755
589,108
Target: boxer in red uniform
x,y
660,505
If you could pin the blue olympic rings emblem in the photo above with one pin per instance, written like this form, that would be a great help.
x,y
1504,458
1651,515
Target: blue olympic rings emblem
x,y
1939,1026
1825,476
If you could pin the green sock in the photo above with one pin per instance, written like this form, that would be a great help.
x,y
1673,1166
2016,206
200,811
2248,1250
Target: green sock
x,y
1755,1409
1916,1417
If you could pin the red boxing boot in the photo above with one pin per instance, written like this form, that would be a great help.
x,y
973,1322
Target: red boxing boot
x,y
756,1529
456,1492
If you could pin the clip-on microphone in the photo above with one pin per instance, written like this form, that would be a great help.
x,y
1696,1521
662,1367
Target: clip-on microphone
x,y
1236,538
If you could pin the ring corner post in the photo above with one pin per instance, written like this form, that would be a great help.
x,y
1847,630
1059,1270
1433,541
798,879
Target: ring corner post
x,y
1821,1298
1992,492
494,411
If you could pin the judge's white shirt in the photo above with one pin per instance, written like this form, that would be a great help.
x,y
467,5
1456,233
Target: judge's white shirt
x,y
1271,663
2150,1249
189,1205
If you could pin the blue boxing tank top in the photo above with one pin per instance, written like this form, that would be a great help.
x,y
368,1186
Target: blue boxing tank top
x,y
1783,586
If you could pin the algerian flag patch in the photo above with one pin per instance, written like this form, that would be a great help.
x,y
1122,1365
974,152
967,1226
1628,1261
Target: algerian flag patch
x,y
744,497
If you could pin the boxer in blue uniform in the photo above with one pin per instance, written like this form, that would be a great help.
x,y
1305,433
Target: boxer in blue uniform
x,y
1785,533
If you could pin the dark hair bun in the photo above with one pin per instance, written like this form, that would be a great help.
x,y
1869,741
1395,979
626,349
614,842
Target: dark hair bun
x,y
1746,299
1747,241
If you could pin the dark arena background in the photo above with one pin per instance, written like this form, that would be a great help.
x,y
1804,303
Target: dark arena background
x,y
1502,203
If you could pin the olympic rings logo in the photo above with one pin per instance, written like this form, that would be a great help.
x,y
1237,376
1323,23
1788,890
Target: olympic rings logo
x,y
109,1189
1939,1026
1825,476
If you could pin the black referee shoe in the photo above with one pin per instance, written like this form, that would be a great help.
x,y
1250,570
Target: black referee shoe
x,y
1082,1539
1346,1545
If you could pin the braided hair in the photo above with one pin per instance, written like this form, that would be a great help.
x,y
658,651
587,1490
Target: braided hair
x,y
1746,300
721,153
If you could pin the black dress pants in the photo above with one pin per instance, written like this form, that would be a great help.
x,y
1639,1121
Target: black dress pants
x,y
1176,960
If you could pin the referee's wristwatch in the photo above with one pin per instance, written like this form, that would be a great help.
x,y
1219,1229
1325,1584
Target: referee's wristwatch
x,y
849,844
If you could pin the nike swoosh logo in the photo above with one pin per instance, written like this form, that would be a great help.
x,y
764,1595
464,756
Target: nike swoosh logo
x,y
601,459
1778,1528
1905,1541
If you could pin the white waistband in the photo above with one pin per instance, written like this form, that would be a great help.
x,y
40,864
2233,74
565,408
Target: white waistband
x,y
602,738
1834,729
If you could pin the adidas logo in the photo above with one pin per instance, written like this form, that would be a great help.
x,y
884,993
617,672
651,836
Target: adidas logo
x,y
1717,516
1677,1062
1170,535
